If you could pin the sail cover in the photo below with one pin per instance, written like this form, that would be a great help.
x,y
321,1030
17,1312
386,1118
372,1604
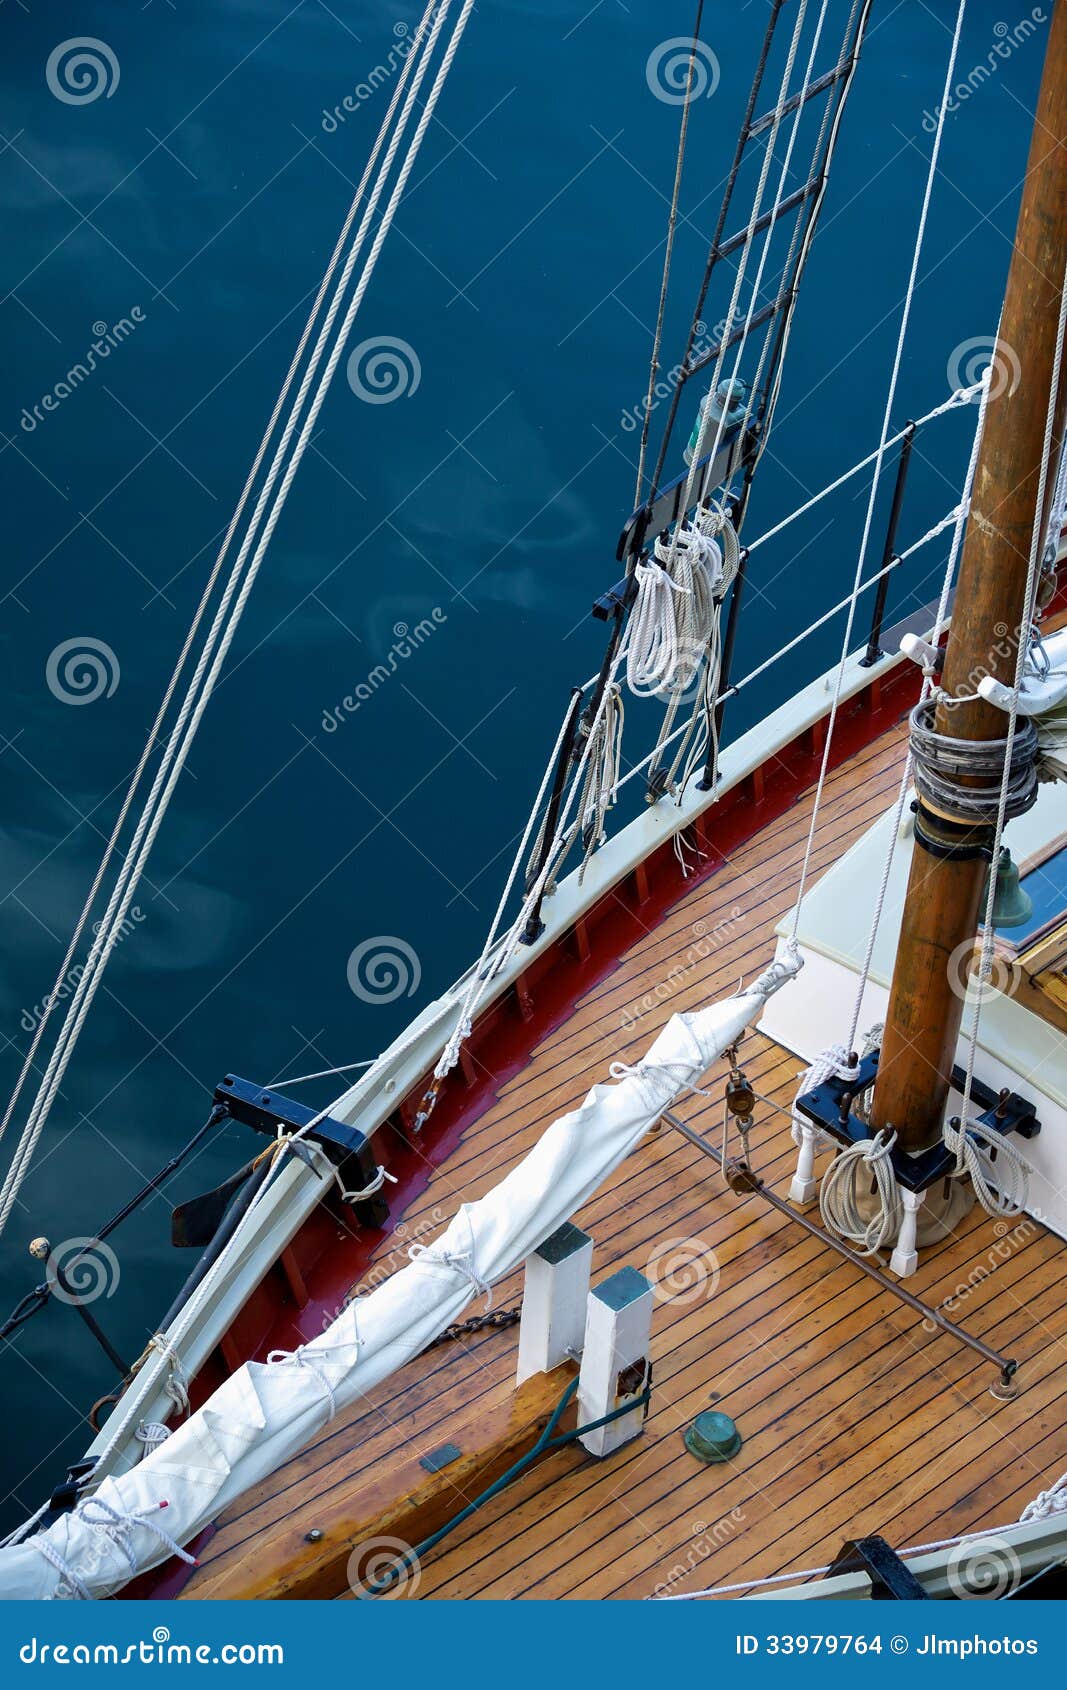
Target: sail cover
x,y
267,1411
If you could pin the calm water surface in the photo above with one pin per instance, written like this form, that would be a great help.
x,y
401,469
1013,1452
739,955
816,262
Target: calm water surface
x,y
199,200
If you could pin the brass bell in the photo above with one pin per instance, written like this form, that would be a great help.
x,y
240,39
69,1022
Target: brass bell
x,y
1012,907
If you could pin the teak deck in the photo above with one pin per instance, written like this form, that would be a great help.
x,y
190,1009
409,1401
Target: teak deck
x,y
855,1419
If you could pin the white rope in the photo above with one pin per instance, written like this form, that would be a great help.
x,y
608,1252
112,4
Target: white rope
x,y
116,1524
876,478
226,619
151,1433
602,775
459,1261
960,1143
831,1064
1046,1502
300,1358
323,1074
961,513
812,224
869,1161
1002,1186
750,235
961,396
754,296
191,1309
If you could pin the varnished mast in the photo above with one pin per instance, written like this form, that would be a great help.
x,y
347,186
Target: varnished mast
x,y
942,908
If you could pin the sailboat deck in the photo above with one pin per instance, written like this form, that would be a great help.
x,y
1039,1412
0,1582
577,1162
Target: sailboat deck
x,y
855,1418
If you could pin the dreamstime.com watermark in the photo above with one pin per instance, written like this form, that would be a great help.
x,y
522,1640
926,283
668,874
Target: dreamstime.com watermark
x,y
1008,39
383,369
30,1018
664,386
158,1650
682,1271
107,339
1009,1240
406,642
382,73
706,1539
403,1236
705,942
668,69
969,361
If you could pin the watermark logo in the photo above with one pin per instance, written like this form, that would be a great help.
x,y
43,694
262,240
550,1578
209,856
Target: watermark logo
x,y
386,1568
963,974
683,1270
107,336
985,1569
706,943
82,69
375,79
705,1540
406,641
668,66
384,968
969,361
1009,1240
81,670
82,1270
383,369
1008,38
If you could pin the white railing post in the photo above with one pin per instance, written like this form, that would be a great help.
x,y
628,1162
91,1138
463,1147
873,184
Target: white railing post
x,y
615,1358
905,1257
553,1301
805,1186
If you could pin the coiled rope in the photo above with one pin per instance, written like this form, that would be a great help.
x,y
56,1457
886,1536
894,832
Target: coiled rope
x,y
973,780
858,1168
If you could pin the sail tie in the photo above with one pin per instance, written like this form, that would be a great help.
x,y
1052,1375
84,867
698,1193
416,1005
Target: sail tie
x,y
116,1524
462,1261
300,1358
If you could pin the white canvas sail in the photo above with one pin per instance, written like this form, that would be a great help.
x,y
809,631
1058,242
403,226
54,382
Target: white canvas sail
x,y
266,1412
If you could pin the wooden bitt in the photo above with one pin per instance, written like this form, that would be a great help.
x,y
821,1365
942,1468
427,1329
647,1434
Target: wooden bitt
x,y
397,1503
941,908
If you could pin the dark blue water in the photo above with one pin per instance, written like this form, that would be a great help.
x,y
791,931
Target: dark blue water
x,y
199,202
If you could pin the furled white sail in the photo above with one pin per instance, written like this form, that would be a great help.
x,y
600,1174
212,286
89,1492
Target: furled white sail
x,y
267,1411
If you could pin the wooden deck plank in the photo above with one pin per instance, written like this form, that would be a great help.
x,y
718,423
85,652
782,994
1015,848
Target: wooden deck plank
x,y
853,1415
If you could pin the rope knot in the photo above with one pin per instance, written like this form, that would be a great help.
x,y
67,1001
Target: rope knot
x,y
300,1358
461,1261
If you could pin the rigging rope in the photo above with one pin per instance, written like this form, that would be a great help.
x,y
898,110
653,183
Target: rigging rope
x,y
226,620
876,478
672,224
958,1140
750,235
775,211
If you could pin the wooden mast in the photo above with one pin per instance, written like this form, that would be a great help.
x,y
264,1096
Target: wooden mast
x,y
942,907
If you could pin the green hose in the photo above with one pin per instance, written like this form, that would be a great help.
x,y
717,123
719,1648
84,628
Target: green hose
x,y
544,1445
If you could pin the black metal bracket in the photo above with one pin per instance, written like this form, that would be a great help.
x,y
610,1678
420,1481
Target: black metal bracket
x,y
829,1107
668,505
350,1150
619,597
892,1580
